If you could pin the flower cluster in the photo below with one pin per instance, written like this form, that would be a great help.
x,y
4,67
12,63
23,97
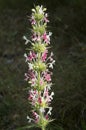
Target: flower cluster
x,y
39,72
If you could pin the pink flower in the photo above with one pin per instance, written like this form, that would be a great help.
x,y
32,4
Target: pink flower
x,y
33,82
30,76
31,56
30,97
44,55
39,100
47,117
46,37
45,18
33,96
47,76
45,92
33,21
36,116
36,37
46,95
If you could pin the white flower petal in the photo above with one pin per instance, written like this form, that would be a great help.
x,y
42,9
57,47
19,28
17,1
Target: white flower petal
x,y
49,112
33,10
25,55
29,119
42,109
30,66
26,40
50,33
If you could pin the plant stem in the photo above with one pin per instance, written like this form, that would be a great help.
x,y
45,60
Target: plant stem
x,y
43,128
38,79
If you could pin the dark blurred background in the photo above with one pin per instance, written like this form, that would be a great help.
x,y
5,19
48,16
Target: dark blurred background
x,y
68,42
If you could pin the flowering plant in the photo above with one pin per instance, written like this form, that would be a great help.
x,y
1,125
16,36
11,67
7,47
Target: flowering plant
x,y
39,72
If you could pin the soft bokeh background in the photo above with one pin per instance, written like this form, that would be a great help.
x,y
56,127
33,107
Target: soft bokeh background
x,y
68,24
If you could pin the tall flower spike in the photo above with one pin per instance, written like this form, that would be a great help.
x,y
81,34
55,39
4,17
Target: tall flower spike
x,y
39,68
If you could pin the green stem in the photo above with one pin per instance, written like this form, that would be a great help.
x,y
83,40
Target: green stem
x,y
38,72
43,128
40,113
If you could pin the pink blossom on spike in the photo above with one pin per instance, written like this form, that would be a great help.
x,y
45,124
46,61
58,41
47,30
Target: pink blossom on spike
x,y
31,74
30,97
38,38
33,21
31,56
36,116
46,38
39,100
33,96
33,82
34,37
47,76
45,18
46,116
44,55
45,92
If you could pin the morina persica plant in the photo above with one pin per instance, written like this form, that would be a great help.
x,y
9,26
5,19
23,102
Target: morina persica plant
x,y
40,64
